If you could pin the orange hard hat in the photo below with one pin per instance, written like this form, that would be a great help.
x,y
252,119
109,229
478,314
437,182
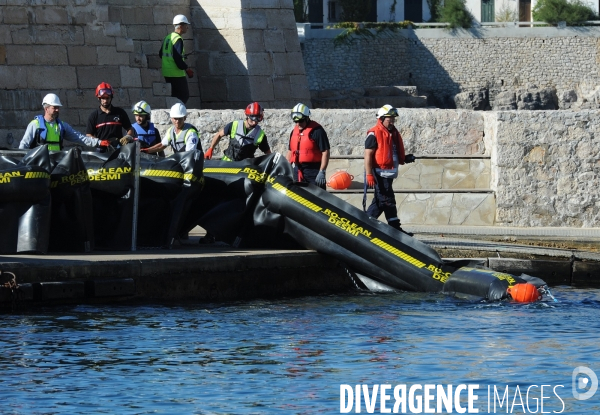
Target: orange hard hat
x,y
340,180
524,293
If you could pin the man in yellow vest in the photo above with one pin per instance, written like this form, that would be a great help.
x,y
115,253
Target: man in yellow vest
x,y
172,54
245,136
49,129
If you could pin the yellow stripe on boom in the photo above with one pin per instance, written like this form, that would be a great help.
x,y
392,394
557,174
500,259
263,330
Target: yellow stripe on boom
x,y
163,173
226,170
398,253
297,198
37,175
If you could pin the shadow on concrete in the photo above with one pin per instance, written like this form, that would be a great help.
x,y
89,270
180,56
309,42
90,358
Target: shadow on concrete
x,y
424,71
223,77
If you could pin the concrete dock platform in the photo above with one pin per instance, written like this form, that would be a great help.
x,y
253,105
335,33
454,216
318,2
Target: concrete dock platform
x,y
218,272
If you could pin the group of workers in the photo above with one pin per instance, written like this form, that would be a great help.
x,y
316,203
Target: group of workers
x,y
308,149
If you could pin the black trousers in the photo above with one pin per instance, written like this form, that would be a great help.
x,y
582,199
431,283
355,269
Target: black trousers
x,y
384,201
179,88
309,171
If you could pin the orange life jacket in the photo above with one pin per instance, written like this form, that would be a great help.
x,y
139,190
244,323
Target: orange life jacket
x,y
304,150
386,141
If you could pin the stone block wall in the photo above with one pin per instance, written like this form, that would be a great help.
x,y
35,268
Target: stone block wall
x,y
546,168
68,47
248,50
445,63
243,51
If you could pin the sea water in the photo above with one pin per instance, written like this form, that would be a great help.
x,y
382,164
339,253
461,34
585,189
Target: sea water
x,y
293,356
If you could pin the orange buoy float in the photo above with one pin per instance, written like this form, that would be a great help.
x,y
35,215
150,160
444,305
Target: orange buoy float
x,y
340,180
524,293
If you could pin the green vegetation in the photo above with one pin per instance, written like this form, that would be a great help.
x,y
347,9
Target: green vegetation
x,y
354,30
455,13
554,11
434,8
506,13
300,12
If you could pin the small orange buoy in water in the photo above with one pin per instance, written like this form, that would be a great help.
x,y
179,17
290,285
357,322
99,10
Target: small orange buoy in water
x,y
340,180
524,293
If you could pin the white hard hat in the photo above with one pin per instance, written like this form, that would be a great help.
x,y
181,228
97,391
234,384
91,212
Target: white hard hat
x,y
299,112
387,111
180,18
51,99
142,108
178,110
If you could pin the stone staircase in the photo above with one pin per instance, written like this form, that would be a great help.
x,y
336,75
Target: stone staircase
x,y
435,190
369,97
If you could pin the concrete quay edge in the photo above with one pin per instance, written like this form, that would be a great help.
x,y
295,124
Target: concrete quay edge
x,y
221,273
561,232
192,272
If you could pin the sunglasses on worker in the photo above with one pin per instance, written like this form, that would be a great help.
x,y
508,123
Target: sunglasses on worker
x,y
255,118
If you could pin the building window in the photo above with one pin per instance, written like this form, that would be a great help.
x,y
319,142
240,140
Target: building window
x,y
332,7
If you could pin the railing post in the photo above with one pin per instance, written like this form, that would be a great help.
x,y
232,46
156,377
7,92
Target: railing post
x,y
136,195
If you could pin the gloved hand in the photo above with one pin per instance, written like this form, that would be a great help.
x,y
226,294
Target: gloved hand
x,y
189,72
104,143
409,158
370,180
208,154
126,139
320,180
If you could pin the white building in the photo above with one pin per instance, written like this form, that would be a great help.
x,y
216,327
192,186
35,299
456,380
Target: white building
x,y
330,11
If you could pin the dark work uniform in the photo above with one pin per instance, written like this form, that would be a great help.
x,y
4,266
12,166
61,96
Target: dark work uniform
x,y
108,126
384,200
246,151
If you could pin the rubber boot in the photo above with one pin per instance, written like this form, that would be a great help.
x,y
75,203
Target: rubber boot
x,y
396,225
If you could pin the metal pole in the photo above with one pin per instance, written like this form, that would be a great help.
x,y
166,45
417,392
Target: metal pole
x,y
136,195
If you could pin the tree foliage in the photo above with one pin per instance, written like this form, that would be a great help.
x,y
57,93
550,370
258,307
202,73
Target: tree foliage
x,y
300,12
355,10
456,14
507,13
554,11
434,9
354,30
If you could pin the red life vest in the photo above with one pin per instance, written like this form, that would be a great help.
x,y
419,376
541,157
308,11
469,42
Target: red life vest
x,y
305,150
384,156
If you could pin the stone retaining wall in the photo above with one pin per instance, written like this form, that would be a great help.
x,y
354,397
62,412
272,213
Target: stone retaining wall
x,y
446,62
424,131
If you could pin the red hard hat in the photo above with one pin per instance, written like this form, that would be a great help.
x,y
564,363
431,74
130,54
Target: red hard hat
x,y
104,89
340,180
255,110
524,293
